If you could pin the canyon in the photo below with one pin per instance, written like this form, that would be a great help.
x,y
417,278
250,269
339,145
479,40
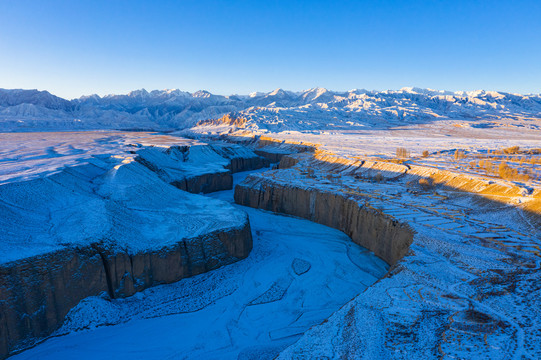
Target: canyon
x,y
45,286
272,244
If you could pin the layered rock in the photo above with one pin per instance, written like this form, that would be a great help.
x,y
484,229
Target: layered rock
x,y
37,293
412,175
274,150
366,226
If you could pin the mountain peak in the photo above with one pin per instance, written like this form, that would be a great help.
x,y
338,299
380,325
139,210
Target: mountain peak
x,y
277,92
13,97
138,93
202,94
316,93
256,94
425,91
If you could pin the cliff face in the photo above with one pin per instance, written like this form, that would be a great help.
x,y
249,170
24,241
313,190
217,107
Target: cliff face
x,y
274,150
37,293
245,164
200,168
469,268
241,158
367,227
205,183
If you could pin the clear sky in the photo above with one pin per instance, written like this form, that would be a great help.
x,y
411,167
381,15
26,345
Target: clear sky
x,y
74,48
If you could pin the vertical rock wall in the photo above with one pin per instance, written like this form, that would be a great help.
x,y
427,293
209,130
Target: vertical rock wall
x,y
367,227
204,169
205,183
36,293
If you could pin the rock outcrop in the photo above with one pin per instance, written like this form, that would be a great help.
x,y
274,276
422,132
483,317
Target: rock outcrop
x,y
270,149
37,293
506,192
274,150
200,168
241,158
366,226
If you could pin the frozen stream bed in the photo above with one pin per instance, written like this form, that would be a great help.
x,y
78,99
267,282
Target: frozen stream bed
x,y
298,274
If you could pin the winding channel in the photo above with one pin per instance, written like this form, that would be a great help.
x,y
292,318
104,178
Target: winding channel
x,y
296,276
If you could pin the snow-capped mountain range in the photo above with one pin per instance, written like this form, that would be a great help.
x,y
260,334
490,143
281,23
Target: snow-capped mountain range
x,y
313,109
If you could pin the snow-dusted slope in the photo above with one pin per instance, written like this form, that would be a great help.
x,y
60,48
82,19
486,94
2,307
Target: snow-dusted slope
x,y
279,110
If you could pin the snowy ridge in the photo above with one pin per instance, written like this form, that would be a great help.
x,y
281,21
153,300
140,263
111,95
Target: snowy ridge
x,y
313,109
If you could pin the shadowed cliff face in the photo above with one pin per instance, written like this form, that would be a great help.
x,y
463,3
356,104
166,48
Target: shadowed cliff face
x,y
37,293
200,168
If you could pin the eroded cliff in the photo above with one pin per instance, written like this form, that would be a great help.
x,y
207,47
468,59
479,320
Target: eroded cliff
x,y
200,168
366,226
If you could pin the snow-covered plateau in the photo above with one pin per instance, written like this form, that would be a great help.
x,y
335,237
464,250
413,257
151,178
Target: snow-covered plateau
x,y
392,225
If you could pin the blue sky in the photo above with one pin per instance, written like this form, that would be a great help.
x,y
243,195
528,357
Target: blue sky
x,y
73,47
